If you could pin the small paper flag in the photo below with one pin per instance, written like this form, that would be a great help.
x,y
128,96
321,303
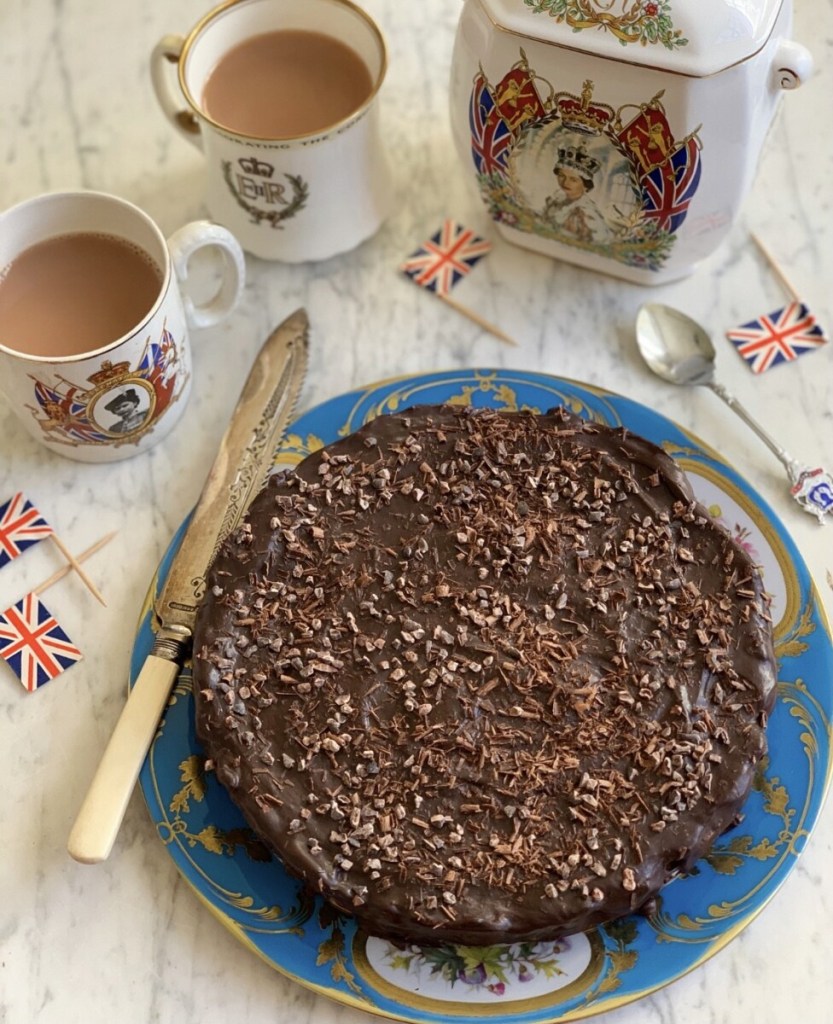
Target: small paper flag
x,y
445,258
21,526
33,643
778,337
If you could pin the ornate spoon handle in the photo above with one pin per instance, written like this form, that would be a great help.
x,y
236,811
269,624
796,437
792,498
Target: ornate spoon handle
x,y
811,488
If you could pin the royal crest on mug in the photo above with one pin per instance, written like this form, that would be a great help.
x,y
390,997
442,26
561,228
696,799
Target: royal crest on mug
x,y
116,404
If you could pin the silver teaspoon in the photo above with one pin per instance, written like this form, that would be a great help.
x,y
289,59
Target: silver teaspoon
x,y
680,351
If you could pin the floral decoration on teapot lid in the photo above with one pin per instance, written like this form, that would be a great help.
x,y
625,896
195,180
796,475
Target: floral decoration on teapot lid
x,y
693,37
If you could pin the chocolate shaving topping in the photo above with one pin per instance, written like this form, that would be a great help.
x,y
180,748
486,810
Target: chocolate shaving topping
x,y
480,677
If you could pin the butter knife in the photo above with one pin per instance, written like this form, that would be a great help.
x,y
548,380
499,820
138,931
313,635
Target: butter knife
x,y
239,471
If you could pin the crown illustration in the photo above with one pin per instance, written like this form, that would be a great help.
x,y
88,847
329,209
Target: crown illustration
x,y
579,113
577,158
251,165
109,372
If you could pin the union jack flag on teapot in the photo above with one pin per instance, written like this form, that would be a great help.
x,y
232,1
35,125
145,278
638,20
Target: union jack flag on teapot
x,y
565,167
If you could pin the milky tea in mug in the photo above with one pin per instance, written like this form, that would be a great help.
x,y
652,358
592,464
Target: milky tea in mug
x,y
281,97
94,325
278,85
75,293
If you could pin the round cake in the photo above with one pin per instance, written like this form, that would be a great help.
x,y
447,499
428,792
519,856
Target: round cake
x,y
484,677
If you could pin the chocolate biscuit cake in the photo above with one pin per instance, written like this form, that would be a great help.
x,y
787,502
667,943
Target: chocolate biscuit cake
x,y
480,677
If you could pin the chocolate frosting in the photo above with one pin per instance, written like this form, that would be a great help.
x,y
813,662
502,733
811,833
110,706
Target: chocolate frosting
x,y
480,677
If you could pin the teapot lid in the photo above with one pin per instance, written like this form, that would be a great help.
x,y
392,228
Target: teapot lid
x,y
690,37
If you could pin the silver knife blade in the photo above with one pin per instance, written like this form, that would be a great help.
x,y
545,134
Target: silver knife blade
x,y
241,466
265,408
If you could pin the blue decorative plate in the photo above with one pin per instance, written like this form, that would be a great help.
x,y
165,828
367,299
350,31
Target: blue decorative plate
x,y
300,936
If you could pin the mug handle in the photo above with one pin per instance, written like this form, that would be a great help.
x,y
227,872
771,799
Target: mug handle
x,y
183,244
168,51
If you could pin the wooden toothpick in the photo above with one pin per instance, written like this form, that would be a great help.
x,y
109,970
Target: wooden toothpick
x,y
68,568
73,564
776,268
476,318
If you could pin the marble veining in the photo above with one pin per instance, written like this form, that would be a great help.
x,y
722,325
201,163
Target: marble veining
x,y
127,940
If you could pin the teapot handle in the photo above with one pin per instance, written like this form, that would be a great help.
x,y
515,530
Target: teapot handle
x,y
793,65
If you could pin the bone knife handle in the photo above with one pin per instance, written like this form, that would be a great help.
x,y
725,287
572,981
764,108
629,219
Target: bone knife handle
x,y
100,817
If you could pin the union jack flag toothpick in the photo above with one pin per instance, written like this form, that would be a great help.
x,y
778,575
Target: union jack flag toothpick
x,y
446,258
21,526
778,337
781,336
33,643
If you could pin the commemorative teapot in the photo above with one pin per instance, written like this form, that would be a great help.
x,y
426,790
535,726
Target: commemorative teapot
x,y
620,135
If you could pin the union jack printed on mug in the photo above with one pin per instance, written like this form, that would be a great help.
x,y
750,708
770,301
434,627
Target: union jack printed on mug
x,y
33,643
445,258
778,337
21,525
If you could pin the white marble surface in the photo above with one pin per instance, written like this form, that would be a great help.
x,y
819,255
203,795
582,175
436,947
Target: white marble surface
x,y
127,940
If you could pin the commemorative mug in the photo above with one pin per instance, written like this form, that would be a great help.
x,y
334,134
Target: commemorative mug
x,y
94,347
281,98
